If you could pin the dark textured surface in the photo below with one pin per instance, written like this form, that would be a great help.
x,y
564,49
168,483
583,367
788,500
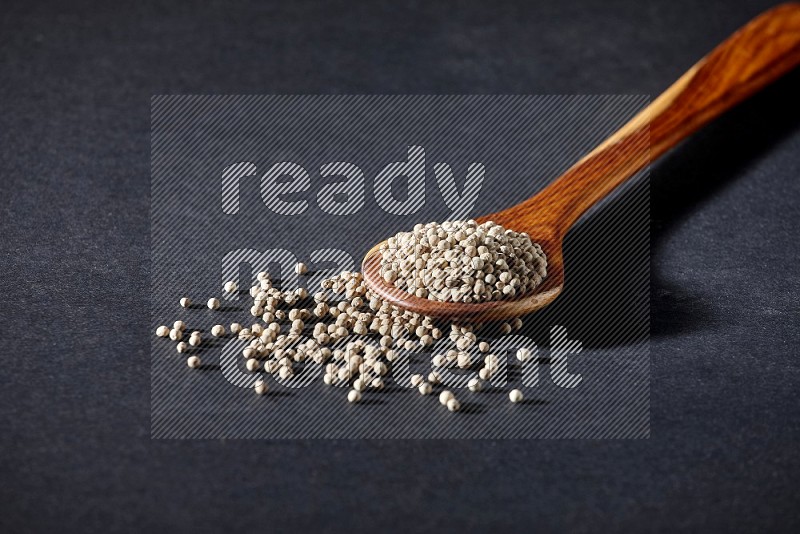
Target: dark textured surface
x,y
74,130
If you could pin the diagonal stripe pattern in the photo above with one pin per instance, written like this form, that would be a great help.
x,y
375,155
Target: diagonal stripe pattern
x,y
247,183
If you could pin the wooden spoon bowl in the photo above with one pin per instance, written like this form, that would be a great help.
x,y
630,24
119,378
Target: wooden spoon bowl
x,y
482,312
756,55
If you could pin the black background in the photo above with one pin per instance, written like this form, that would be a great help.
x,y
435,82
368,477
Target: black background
x,y
75,88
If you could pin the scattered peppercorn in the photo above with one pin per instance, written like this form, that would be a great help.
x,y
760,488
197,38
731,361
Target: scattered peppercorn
x,y
359,364
217,330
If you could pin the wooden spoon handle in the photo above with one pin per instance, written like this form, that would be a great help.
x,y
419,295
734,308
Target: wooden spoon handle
x,y
759,53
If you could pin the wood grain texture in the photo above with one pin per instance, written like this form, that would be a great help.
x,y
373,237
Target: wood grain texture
x,y
756,55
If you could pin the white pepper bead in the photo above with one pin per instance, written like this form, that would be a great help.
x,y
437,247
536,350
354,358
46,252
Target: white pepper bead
x,y
251,364
193,362
485,373
505,328
162,331
474,385
377,383
354,395
523,354
230,286
416,380
195,339
186,302
359,385
301,268
217,330
453,405
328,379
179,325
445,396
434,378
235,328
260,387
515,396
182,346
285,373
213,303
483,346
175,334
425,388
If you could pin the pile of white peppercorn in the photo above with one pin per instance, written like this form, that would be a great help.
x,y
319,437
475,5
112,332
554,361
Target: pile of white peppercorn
x,y
463,261
455,261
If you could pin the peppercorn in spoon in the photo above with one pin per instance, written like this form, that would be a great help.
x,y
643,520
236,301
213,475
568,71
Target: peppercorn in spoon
x,y
756,55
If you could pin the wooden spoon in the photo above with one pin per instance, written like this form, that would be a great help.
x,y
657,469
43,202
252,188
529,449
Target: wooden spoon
x,y
756,55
